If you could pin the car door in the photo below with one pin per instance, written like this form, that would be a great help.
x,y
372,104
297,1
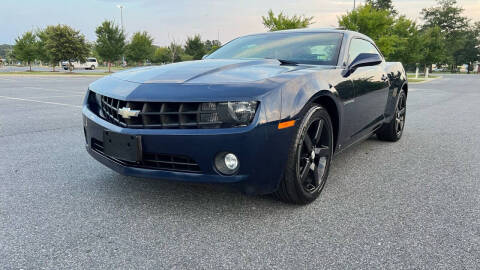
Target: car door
x,y
371,90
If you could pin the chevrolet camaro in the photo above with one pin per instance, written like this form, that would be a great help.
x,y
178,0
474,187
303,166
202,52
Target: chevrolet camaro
x,y
264,113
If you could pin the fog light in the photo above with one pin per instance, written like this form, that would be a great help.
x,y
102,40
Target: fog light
x,y
227,163
231,161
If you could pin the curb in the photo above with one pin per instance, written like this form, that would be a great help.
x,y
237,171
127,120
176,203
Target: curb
x,y
425,80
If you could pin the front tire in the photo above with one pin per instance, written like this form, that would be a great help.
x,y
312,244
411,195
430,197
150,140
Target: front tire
x,y
393,130
92,67
309,158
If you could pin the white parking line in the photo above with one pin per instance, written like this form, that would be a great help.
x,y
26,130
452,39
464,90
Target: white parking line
x,y
49,89
39,101
419,89
5,79
58,96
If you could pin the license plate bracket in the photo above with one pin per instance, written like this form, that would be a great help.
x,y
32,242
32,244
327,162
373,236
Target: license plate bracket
x,y
122,146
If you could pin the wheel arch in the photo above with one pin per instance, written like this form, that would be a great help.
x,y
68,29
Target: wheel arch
x,y
329,103
405,88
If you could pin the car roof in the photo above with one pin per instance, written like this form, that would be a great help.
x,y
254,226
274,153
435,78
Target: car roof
x,y
347,33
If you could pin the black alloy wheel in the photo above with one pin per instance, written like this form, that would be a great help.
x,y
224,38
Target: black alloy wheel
x,y
400,114
309,158
393,130
312,156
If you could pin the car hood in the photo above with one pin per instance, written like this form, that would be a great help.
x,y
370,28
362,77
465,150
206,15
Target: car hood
x,y
209,71
212,80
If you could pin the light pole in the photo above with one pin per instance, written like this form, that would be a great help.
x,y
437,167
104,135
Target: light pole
x,y
123,28
353,4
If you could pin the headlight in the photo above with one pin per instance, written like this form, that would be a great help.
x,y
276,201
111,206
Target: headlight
x,y
239,113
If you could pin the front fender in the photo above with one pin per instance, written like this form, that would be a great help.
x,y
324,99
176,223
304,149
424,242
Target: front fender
x,y
398,80
301,91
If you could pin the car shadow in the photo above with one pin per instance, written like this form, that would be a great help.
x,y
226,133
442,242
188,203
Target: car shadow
x,y
188,197
184,196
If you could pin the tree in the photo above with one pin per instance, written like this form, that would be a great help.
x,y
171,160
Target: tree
x,y
433,50
42,52
376,24
65,43
11,58
161,55
382,5
140,48
25,48
448,17
470,52
174,52
408,43
212,45
110,44
195,47
283,22
185,57
398,37
5,49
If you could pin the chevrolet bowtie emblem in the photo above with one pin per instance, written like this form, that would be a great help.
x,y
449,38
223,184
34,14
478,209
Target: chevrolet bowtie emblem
x,y
127,113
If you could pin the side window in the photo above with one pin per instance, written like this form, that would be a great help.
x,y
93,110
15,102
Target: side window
x,y
358,46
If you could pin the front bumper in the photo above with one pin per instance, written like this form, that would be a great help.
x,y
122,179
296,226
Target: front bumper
x,y
262,150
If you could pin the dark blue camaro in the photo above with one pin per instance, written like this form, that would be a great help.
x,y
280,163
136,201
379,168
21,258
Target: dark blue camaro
x,y
265,112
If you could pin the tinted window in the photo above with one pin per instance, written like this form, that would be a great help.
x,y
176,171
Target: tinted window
x,y
91,60
358,46
305,48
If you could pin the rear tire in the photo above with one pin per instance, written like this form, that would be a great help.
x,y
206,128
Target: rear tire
x,y
309,158
393,130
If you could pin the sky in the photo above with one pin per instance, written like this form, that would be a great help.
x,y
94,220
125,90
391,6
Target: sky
x,y
174,20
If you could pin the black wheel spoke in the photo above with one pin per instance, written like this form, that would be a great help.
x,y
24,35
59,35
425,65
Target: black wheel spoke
x,y
322,151
400,103
308,143
305,170
316,177
313,154
318,131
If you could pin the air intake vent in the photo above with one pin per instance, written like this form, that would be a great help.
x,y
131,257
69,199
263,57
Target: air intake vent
x,y
156,161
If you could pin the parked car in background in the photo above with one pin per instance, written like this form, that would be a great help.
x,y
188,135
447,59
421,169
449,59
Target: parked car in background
x,y
91,63
265,113
439,69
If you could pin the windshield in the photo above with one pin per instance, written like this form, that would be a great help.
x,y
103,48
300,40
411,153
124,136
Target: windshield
x,y
302,48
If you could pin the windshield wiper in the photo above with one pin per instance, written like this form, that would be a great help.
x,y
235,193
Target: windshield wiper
x,y
284,62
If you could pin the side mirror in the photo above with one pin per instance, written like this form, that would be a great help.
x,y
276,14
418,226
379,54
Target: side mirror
x,y
205,56
363,60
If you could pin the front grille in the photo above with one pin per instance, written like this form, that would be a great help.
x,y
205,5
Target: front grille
x,y
156,161
160,115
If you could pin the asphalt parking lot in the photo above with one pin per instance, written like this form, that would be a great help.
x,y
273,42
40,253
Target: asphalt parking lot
x,y
5,69
410,204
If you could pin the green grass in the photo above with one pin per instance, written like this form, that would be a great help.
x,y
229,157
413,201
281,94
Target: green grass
x,y
416,80
421,76
49,73
456,73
